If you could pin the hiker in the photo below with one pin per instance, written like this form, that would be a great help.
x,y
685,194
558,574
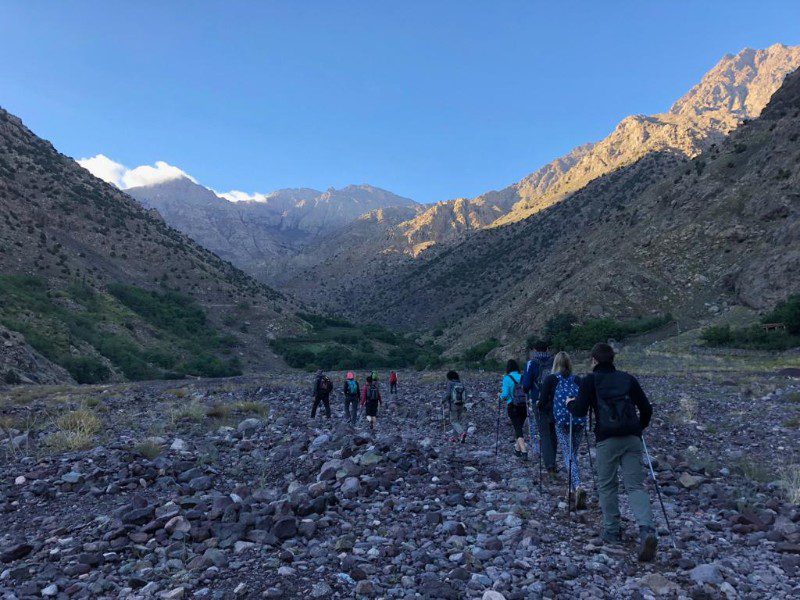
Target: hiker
x,y
322,392
538,366
556,388
615,397
516,405
392,382
351,394
454,398
371,399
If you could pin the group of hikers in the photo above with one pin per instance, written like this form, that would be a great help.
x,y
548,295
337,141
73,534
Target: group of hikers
x,y
368,397
558,406
561,403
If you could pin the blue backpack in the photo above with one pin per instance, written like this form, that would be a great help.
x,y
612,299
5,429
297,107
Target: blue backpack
x,y
352,387
566,387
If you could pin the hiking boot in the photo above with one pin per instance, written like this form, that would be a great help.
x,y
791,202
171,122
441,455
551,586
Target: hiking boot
x,y
647,544
611,537
580,499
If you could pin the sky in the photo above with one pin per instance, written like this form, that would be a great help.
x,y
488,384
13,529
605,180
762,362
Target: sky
x,y
430,99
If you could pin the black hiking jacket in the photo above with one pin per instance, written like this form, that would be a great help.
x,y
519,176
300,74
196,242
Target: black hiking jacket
x,y
587,398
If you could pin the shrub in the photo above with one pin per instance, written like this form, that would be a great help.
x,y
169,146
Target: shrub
x,y
788,313
479,351
588,333
170,311
86,369
205,365
750,338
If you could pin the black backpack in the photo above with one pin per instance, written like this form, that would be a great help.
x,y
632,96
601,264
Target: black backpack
x,y
373,394
458,393
518,396
616,414
324,385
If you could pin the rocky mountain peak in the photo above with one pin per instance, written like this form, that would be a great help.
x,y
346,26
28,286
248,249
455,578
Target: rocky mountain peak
x,y
741,84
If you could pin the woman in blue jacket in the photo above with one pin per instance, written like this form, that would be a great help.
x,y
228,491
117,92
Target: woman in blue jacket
x,y
516,404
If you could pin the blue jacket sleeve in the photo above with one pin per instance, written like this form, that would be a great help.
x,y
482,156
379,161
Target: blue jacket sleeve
x,y
508,388
530,375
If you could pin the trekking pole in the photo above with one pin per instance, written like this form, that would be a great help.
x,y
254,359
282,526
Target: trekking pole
x,y
569,471
497,435
534,445
536,424
658,492
591,462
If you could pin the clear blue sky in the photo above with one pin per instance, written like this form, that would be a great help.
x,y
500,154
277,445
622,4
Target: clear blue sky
x,y
430,99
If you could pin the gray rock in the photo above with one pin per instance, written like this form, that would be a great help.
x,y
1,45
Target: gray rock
x,y
706,573
249,426
351,487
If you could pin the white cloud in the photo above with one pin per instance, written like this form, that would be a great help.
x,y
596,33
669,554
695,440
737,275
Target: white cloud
x,y
103,167
147,175
237,196
118,174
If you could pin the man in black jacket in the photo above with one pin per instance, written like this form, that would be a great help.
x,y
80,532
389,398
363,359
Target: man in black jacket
x,y
622,412
322,392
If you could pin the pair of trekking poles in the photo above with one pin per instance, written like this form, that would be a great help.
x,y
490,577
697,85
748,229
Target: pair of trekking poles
x,y
534,422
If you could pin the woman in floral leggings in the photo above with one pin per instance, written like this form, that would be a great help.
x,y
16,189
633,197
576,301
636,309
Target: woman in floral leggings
x,y
556,388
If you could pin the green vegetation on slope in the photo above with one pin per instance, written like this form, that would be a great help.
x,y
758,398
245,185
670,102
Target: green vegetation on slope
x,y
333,343
475,356
144,335
563,331
756,336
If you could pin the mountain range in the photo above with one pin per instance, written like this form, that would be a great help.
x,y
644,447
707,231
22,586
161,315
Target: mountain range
x,y
264,235
665,234
735,90
687,211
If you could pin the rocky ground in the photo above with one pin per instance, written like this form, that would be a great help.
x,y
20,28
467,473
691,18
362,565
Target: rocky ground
x,y
226,489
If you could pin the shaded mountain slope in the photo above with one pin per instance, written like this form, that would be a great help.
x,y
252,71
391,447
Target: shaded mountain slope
x,y
736,89
662,235
67,237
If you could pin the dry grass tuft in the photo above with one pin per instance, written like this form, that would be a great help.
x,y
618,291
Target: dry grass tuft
x,y
193,411
218,411
790,483
147,448
75,431
252,408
